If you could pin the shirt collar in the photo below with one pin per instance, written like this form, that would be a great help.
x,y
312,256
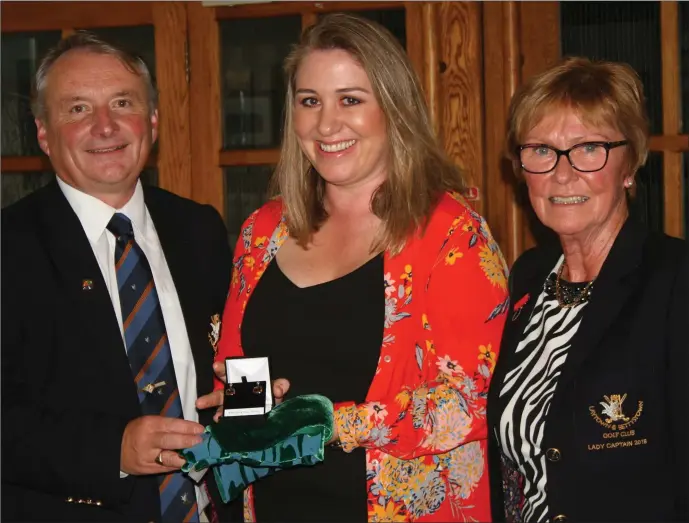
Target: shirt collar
x,y
95,214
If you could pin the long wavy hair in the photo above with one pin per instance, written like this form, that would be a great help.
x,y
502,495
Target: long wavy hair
x,y
419,171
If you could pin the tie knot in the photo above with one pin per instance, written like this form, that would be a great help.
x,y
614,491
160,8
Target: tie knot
x,y
120,225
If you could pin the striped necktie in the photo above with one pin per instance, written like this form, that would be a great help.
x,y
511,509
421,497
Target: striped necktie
x,y
150,359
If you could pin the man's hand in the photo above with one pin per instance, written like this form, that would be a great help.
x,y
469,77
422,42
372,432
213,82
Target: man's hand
x,y
146,437
215,399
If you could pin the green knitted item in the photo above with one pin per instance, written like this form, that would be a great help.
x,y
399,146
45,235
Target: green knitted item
x,y
294,433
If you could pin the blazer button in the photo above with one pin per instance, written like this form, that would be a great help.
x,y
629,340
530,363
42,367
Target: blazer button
x,y
561,518
553,455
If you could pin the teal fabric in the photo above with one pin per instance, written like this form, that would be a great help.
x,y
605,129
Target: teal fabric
x,y
295,433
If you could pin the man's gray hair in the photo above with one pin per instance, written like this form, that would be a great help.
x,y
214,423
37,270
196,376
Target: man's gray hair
x,y
86,41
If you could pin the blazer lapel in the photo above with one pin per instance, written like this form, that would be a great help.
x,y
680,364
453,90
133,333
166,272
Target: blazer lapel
x,y
81,281
524,294
611,290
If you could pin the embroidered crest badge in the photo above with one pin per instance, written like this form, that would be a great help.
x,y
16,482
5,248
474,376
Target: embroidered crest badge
x,y
612,407
214,334
612,415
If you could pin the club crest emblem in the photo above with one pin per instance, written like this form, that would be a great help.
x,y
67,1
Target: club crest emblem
x,y
612,415
612,408
214,334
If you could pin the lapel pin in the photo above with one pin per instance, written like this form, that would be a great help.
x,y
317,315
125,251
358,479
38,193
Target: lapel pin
x,y
519,305
86,285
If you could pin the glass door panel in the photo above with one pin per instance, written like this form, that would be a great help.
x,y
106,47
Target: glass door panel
x,y
21,54
622,32
649,203
253,89
685,191
246,190
684,73
138,40
17,185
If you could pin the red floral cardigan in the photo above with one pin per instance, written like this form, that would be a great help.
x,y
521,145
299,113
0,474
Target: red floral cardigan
x,y
424,422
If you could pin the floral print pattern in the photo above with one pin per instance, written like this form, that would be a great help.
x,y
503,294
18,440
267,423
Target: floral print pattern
x,y
424,422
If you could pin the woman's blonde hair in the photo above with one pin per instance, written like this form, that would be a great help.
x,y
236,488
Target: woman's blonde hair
x,y
419,171
601,93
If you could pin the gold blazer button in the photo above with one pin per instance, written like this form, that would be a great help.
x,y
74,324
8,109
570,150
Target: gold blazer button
x,y
553,455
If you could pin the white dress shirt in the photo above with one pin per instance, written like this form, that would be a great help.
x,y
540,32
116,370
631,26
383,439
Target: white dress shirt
x,y
94,216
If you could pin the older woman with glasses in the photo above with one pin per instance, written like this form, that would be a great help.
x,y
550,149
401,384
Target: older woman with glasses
x,y
588,409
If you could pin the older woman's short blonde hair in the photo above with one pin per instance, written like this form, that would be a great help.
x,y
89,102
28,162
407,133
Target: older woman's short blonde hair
x,y
601,93
418,172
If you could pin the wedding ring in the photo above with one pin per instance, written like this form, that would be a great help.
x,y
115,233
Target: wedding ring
x,y
159,459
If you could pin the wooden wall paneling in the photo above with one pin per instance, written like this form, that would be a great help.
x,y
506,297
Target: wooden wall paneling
x,y
13,164
539,36
413,19
45,16
308,19
42,163
516,207
676,143
430,59
672,161
461,88
294,8
204,94
246,157
174,148
498,195
539,42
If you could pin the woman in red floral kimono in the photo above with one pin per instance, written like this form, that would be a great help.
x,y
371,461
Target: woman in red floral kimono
x,y
371,281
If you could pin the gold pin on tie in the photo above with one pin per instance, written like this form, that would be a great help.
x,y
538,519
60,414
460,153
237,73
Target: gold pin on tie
x,y
152,386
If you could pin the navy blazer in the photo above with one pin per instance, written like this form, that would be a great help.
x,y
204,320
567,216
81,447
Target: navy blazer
x,y
67,388
633,341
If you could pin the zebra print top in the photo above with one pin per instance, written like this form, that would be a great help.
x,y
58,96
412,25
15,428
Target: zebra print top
x,y
529,388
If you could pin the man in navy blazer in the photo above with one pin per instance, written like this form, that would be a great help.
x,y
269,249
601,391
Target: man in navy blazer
x,y
75,445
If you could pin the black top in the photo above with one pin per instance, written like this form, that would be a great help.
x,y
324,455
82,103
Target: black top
x,y
325,339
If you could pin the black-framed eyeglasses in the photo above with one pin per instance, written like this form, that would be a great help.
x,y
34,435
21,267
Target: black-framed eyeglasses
x,y
587,157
